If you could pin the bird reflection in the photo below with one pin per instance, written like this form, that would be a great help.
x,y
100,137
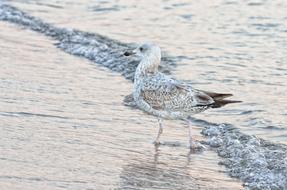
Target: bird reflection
x,y
152,173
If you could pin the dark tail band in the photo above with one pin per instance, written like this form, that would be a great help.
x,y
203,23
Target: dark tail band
x,y
220,103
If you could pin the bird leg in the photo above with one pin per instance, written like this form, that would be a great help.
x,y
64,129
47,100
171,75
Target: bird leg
x,y
193,145
160,130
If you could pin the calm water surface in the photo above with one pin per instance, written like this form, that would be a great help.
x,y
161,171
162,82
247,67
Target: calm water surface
x,y
63,125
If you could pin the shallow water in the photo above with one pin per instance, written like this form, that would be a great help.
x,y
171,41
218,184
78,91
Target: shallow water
x,y
63,125
226,46
63,122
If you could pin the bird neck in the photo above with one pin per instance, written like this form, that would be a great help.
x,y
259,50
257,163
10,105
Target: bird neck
x,y
147,66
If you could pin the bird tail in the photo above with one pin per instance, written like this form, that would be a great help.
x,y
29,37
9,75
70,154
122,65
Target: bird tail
x,y
220,103
217,96
219,99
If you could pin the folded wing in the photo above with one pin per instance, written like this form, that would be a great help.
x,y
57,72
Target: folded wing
x,y
164,93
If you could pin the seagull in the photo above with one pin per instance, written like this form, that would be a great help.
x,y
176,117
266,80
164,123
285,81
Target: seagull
x,y
165,97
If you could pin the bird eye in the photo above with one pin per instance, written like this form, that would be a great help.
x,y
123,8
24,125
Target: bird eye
x,y
141,49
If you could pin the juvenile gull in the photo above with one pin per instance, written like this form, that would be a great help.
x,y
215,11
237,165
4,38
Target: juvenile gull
x,y
166,97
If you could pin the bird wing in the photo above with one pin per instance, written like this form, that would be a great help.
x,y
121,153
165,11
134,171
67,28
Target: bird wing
x,y
162,92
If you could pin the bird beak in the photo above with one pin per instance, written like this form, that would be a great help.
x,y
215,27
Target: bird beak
x,y
129,53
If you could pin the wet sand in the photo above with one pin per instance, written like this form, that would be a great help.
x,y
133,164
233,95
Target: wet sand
x,y
59,105
64,127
